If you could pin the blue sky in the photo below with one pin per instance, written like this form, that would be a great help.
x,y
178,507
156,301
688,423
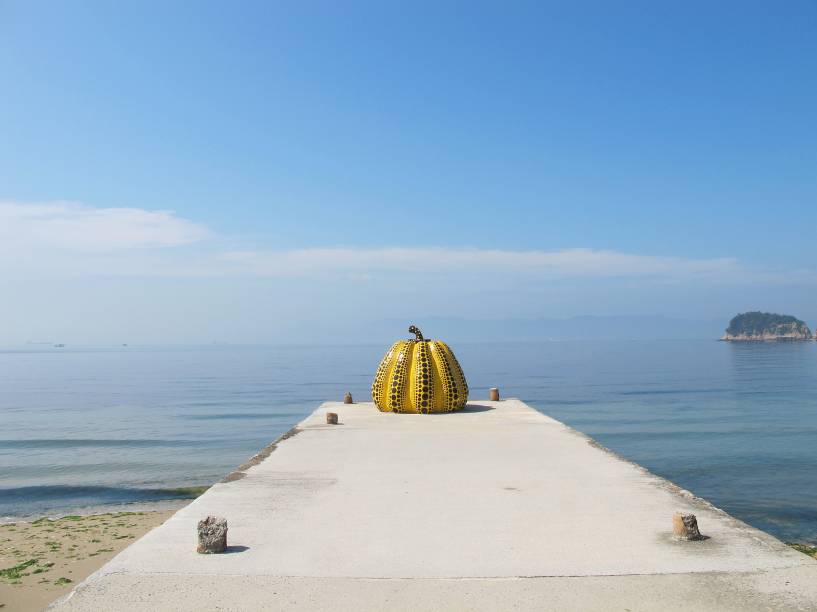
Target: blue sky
x,y
178,172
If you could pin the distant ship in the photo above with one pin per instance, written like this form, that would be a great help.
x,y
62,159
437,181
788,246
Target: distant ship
x,y
59,346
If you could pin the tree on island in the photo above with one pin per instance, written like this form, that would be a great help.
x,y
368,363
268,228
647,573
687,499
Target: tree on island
x,y
766,326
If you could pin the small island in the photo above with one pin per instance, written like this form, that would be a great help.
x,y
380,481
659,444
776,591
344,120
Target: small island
x,y
765,326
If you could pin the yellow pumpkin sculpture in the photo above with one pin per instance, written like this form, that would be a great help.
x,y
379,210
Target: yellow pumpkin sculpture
x,y
419,375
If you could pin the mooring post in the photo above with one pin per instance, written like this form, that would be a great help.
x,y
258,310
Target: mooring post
x,y
685,526
212,532
331,418
347,399
494,394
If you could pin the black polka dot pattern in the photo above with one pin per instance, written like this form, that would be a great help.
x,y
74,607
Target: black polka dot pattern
x,y
457,370
378,392
398,379
422,387
419,376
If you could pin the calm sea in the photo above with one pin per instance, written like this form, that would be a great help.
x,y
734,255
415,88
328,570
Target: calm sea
x,y
734,423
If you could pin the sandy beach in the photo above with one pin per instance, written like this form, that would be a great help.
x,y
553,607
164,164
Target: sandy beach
x,y
44,559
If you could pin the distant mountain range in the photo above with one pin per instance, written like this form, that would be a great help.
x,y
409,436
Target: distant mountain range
x,y
626,327
454,329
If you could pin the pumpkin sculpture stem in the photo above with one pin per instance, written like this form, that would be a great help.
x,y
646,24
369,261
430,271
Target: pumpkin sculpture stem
x,y
416,331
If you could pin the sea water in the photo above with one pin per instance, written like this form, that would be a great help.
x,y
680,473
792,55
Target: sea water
x,y
96,427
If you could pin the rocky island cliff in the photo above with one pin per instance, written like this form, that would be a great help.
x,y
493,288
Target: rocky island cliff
x,y
765,326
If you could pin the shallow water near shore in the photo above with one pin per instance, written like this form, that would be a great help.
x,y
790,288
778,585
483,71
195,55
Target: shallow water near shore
x,y
94,427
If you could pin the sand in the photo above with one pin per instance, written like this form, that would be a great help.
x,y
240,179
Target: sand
x,y
44,559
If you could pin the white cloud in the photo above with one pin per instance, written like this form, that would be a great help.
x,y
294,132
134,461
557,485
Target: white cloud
x,y
64,239
76,227
71,271
583,263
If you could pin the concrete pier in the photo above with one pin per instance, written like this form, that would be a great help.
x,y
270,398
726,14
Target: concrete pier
x,y
497,507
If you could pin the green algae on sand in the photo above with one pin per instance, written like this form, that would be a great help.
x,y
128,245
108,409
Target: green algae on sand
x,y
811,551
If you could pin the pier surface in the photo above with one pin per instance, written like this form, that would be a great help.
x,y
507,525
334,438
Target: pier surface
x,y
497,507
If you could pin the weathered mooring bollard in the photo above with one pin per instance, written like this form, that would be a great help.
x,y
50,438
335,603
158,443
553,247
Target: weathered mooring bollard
x,y
331,418
212,533
347,399
685,527
494,394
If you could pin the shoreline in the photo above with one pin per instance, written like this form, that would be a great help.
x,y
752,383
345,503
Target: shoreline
x,y
160,505
43,559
